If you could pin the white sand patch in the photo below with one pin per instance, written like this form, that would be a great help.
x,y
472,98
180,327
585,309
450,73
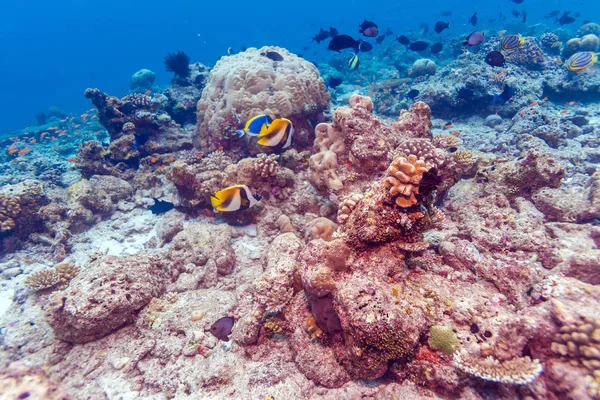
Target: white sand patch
x,y
6,299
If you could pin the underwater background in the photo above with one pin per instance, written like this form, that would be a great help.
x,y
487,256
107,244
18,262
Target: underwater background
x,y
54,49
300,200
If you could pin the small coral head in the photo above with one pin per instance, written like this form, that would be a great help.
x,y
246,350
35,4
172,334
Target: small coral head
x,y
405,174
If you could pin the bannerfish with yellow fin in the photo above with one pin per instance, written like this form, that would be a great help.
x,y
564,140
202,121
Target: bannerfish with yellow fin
x,y
255,125
234,198
279,133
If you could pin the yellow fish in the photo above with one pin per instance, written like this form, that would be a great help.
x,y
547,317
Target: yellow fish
x,y
279,133
234,198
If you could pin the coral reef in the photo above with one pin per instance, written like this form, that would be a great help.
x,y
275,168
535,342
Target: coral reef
x,y
247,84
104,296
424,240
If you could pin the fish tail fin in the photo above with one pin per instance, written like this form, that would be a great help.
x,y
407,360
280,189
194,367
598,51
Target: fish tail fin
x,y
240,133
496,99
406,48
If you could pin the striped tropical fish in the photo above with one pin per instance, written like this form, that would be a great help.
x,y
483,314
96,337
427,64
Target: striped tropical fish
x,y
581,61
512,42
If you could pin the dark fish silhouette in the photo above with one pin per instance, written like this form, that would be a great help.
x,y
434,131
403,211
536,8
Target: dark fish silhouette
x,y
221,329
429,182
436,48
505,96
334,82
322,35
364,46
440,26
524,17
515,13
272,55
565,19
368,28
517,1
161,206
412,94
495,59
403,40
341,42
446,13
473,19
418,46
333,32
380,39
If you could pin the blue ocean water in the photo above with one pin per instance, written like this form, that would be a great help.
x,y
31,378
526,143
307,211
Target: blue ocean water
x,y
52,51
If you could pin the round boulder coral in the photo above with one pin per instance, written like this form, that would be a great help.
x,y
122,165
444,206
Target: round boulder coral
x,y
423,66
251,83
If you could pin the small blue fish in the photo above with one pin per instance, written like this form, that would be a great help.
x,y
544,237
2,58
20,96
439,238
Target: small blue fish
x,y
221,329
505,96
255,125
161,206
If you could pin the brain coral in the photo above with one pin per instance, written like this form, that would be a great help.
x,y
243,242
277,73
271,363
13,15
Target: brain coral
x,y
246,84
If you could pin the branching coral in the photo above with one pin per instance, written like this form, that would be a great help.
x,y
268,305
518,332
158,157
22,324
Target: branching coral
x,y
464,158
266,165
518,371
66,271
405,175
445,141
41,280
47,278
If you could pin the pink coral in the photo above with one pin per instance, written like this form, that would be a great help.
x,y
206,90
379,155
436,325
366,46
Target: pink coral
x,y
416,122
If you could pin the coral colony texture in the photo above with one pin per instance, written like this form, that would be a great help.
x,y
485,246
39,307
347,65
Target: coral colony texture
x,y
440,245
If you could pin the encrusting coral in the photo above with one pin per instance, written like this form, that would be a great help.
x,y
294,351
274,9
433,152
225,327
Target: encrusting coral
x,y
405,176
442,338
